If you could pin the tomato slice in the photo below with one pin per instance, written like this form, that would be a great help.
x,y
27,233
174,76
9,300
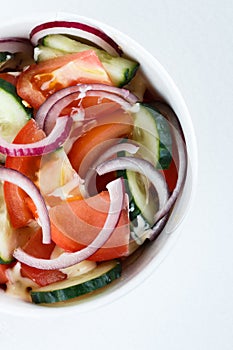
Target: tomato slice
x,y
15,197
95,141
171,175
75,225
112,125
36,248
9,77
3,276
41,80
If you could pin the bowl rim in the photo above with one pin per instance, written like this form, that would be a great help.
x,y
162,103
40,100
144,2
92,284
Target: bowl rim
x,y
17,307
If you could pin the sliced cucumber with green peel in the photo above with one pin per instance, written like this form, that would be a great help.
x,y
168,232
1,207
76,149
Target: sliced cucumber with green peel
x,y
13,114
7,236
43,53
89,282
152,132
120,70
144,198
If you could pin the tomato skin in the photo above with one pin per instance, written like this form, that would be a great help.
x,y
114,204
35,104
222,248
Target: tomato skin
x,y
9,77
95,141
171,175
36,248
40,80
3,276
82,221
42,277
110,129
15,197
32,207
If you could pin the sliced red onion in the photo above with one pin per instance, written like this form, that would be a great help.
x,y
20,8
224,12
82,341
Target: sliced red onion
x,y
119,147
53,141
16,44
52,107
158,227
124,93
149,233
117,196
94,111
56,109
20,180
49,102
145,168
81,30
181,150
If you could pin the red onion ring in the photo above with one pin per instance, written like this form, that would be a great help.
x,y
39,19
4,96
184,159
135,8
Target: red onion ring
x,y
81,30
124,93
52,107
56,109
145,168
92,112
16,44
117,196
181,149
54,140
158,227
18,179
120,147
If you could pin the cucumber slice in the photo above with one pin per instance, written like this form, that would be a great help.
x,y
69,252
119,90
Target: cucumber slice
x,y
7,237
13,114
43,53
151,131
144,198
120,70
74,287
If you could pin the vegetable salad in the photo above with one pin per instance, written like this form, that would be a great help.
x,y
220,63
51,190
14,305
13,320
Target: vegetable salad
x,y
92,162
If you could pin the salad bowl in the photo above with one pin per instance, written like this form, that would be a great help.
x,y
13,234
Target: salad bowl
x,y
147,258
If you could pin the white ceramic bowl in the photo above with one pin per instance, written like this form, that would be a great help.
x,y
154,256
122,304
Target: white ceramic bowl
x,y
158,250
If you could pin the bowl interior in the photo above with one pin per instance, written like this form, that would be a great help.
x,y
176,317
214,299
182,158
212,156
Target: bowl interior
x,y
147,260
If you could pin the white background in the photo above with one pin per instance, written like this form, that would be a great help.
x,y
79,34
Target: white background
x,y
187,303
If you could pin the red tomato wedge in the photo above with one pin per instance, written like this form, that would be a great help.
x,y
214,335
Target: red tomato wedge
x,y
9,77
3,276
87,148
32,207
40,80
171,175
15,197
42,277
89,101
95,141
75,225
36,248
